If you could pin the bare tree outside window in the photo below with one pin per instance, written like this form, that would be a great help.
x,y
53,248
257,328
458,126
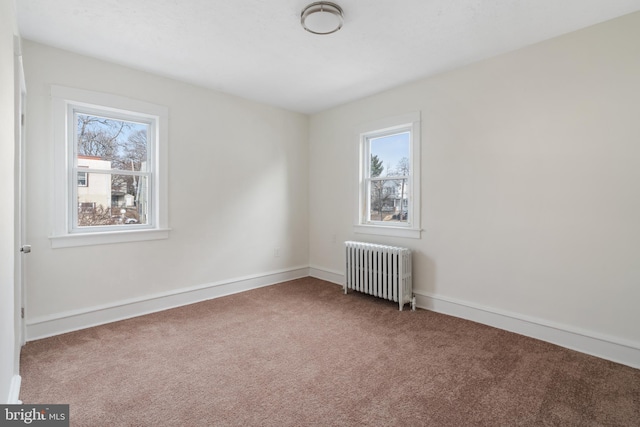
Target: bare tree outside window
x,y
99,136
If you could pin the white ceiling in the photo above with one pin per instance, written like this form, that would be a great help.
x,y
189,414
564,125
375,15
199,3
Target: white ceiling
x,y
257,49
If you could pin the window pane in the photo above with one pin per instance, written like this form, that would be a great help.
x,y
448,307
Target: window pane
x,y
389,200
121,144
390,155
113,200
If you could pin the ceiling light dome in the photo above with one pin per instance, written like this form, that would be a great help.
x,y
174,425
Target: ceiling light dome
x,y
322,17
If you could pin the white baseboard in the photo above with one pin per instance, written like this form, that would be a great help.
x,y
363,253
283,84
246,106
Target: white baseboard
x,y
610,348
14,390
616,350
60,323
604,347
328,275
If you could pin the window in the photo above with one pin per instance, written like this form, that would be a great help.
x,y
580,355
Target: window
x,y
83,179
110,166
113,148
390,177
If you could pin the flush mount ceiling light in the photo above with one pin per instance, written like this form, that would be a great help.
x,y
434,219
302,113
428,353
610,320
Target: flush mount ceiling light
x,y
322,17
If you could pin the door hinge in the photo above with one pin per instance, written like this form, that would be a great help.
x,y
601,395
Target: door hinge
x,y
22,312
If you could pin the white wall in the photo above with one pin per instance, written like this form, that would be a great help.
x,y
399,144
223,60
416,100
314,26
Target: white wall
x,y
8,350
530,183
237,184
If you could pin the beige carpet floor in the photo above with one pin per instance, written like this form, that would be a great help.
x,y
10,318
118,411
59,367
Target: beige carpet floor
x,y
302,353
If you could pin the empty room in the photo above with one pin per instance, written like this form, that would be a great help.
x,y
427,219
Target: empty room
x,y
285,212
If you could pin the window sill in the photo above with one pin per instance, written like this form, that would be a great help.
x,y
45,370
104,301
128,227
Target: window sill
x,y
379,230
106,238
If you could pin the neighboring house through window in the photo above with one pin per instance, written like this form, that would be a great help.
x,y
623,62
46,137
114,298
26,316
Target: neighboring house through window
x,y
110,165
389,177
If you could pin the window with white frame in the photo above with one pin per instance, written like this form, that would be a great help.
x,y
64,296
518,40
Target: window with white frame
x,y
389,177
110,169
83,179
